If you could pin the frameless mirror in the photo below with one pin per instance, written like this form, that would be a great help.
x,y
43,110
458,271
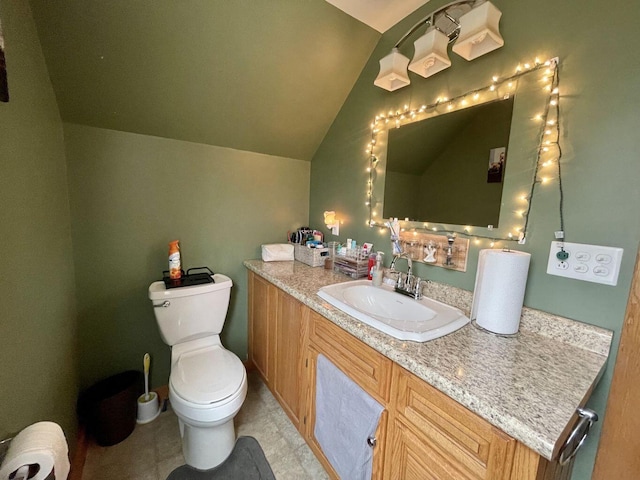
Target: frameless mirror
x,y
450,168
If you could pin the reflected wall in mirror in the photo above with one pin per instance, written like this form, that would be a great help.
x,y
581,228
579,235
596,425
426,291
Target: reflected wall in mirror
x,y
449,168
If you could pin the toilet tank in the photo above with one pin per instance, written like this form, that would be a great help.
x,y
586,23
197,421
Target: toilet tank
x,y
188,313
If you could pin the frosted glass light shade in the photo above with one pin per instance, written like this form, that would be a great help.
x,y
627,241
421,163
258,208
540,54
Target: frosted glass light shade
x,y
479,32
393,72
431,53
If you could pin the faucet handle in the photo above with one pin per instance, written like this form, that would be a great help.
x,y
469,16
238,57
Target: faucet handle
x,y
408,284
417,289
400,281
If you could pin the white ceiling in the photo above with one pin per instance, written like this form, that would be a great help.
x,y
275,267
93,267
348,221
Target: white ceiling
x,y
378,14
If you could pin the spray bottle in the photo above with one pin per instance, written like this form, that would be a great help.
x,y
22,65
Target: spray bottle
x,y
175,267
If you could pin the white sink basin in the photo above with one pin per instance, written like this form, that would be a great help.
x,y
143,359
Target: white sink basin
x,y
397,315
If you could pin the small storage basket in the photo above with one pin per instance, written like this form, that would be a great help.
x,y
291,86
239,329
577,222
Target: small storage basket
x,y
313,257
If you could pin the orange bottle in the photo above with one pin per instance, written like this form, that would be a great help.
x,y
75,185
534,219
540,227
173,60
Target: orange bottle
x,y
175,266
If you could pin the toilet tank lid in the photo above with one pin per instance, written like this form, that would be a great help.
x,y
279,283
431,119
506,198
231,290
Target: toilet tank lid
x,y
158,290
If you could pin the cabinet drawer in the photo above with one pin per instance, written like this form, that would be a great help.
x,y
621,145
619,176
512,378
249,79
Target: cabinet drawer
x,y
449,431
368,368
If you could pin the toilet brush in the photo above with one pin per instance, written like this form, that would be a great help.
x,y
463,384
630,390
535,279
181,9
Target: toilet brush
x,y
147,363
148,403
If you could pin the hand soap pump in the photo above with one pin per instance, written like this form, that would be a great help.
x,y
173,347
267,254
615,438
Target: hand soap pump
x,y
378,272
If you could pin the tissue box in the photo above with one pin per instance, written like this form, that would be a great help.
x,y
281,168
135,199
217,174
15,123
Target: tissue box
x,y
314,257
277,252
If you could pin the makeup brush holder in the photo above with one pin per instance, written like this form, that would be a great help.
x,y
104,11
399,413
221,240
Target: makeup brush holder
x,y
148,408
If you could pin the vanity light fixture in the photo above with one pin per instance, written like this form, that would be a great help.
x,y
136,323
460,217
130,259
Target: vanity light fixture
x,y
471,24
332,222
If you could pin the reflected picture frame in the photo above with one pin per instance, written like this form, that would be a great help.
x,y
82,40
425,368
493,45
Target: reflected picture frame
x,y
4,84
497,160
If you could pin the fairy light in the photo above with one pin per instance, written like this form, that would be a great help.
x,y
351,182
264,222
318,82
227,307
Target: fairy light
x,y
549,119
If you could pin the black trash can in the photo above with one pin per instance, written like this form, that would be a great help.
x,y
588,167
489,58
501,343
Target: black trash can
x,y
109,408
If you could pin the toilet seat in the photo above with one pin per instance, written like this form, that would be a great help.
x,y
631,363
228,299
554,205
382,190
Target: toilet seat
x,y
207,375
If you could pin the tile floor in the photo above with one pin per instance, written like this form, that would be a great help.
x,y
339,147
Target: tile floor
x,y
154,450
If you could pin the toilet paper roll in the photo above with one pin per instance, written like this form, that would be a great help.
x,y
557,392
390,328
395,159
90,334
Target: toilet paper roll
x,y
42,443
499,291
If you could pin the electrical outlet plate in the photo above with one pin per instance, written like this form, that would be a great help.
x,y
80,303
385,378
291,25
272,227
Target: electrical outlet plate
x,y
591,263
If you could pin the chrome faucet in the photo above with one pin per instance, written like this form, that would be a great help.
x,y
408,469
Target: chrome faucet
x,y
405,255
409,285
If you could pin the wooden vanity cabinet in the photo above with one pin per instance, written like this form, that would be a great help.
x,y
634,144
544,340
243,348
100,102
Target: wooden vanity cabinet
x,y
290,332
263,300
422,435
276,335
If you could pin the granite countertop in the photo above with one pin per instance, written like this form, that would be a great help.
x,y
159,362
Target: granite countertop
x,y
528,386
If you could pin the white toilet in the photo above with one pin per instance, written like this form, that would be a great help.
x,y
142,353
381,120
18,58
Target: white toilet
x,y
208,383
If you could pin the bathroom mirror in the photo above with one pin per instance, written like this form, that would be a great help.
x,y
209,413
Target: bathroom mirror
x,y
501,203
450,168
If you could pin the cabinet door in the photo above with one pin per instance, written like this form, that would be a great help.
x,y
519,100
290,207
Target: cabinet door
x,y
366,367
433,437
290,333
262,325
307,429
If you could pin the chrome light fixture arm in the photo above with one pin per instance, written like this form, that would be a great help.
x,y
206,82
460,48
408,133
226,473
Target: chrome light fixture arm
x,y
430,19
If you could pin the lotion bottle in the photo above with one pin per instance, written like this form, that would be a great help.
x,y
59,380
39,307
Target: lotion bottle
x,y
371,265
175,267
378,271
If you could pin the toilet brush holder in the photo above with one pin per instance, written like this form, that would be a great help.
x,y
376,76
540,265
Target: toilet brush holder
x,y
148,407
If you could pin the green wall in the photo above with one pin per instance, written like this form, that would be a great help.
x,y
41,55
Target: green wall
x,y
264,76
130,195
38,378
600,82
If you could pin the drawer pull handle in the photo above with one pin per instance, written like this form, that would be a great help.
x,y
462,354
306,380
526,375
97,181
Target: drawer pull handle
x,y
371,441
578,435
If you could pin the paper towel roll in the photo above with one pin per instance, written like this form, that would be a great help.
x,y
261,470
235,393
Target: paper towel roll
x,y
42,443
499,292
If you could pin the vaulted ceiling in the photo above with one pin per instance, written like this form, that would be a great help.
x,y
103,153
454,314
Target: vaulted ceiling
x,y
267,76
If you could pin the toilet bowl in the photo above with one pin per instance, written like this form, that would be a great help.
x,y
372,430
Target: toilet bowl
x,y
207,384
207,387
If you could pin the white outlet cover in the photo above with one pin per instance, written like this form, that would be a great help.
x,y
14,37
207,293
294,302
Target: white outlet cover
x,y
591,263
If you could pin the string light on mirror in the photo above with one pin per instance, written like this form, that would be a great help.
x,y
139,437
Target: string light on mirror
x,y
548,152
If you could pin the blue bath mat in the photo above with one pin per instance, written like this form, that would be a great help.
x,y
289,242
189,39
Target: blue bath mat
x,y
246,462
